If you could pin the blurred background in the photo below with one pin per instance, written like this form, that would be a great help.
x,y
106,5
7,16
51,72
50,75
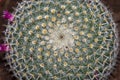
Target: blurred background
x,y
113,6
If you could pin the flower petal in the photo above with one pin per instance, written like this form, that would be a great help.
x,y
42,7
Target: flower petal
x,y
8,15
4,47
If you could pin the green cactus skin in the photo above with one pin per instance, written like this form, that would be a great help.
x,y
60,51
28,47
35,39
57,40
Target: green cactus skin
x,y
61,40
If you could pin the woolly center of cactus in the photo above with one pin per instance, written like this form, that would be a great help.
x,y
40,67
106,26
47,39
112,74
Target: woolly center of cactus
x,y
61,37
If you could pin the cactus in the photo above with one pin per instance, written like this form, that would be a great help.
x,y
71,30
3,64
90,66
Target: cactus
x,y
61,40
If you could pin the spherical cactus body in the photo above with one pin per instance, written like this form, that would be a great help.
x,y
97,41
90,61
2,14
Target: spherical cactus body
x,y
61,40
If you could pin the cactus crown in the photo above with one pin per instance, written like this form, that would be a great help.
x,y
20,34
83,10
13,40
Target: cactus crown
x,y
61,40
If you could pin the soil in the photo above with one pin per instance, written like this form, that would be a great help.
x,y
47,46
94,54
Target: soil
x,y
113,6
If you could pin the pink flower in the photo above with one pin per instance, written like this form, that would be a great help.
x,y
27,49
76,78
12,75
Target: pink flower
x,y
8,15
4,48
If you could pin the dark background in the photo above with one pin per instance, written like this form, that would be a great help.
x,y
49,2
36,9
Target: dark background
x,y
113,6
